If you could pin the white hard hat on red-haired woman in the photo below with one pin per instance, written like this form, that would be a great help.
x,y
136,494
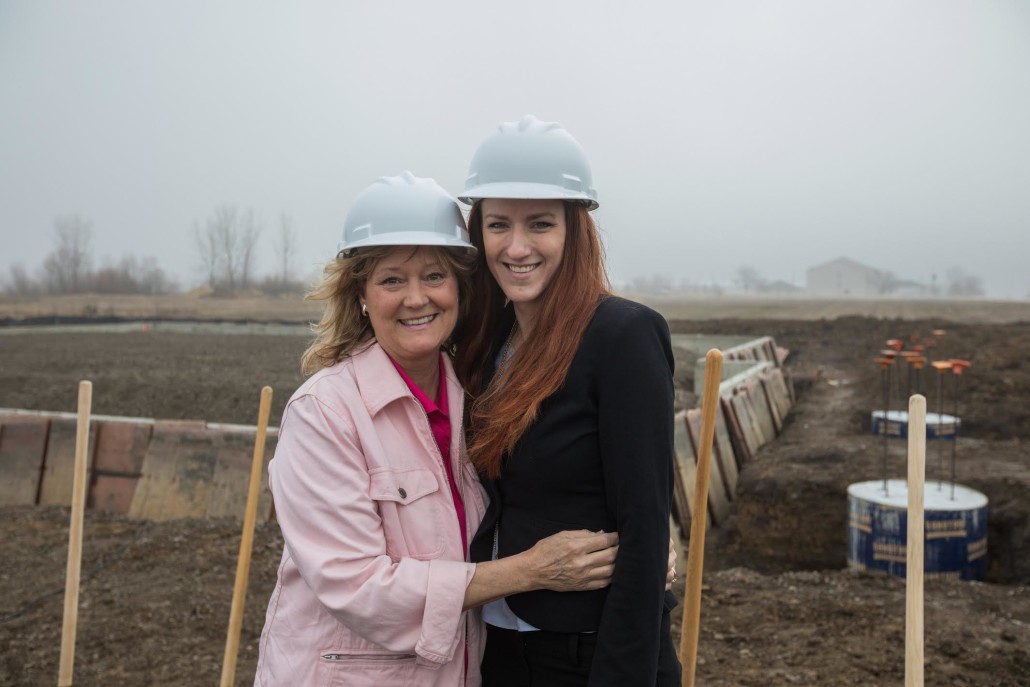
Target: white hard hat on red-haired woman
x,y
530,159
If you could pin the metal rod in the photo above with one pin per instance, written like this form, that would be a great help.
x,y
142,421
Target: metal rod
x,y
954,437
940,425
885,376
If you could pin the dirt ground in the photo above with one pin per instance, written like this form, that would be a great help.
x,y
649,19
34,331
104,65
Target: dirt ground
x,y
778,607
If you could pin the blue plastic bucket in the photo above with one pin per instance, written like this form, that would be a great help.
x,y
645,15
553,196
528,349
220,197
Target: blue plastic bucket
x,y
896,425
955,527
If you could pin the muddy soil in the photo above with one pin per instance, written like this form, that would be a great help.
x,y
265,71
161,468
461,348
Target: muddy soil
x,y
778,608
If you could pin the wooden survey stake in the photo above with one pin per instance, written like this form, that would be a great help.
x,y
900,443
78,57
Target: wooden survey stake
x,y
71,583
695,554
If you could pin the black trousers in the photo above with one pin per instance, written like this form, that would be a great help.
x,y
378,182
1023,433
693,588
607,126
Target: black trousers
x,y
558,659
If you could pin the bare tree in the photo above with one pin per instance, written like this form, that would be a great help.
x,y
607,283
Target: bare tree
x,y
153,280
285,247
20,283
67,265
207,250
250,230
223,223
132,275
749,279
958,283
226,246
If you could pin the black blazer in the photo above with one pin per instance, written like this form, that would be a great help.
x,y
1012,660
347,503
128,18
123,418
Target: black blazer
x,y
598,457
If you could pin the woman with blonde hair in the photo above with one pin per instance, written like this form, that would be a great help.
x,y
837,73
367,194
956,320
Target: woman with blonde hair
x,y
572,422
373,491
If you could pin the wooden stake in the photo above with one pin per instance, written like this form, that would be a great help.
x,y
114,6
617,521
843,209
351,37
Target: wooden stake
x,y
71,583
239,592
698,519
914,542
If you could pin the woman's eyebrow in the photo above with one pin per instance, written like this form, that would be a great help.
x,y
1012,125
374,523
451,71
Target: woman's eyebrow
x,y
535,215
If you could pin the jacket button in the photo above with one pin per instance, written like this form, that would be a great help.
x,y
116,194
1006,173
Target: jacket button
x,y
403,493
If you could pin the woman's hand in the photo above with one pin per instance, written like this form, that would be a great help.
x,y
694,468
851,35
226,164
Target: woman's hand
x,y
670,575
573,561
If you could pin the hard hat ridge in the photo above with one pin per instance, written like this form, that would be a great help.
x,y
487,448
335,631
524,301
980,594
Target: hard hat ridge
x,y
528,124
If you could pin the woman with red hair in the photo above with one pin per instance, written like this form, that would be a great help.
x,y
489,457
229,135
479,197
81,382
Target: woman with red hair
x,y
572,419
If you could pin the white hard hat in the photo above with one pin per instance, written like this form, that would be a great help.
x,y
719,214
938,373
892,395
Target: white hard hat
x,y
404,210
530,159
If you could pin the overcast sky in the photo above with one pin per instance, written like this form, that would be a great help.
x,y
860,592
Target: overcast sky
x,y
765,133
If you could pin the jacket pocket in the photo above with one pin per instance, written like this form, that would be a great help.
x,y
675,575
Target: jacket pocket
x,y
410,505
365,668
375,659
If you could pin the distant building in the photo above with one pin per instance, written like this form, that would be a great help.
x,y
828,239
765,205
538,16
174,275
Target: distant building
x,y
844,277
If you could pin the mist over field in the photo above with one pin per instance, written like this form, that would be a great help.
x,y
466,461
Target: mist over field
x,y
734,145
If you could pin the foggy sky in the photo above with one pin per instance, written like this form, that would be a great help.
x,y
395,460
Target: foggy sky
x,y
767,133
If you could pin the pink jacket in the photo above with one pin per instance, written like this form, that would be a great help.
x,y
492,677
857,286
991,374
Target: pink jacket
x,y
373,574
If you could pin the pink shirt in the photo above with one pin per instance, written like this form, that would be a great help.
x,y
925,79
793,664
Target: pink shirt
x,y
441,426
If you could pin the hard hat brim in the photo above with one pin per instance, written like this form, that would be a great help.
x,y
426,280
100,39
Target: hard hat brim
x,y
414,239
524,190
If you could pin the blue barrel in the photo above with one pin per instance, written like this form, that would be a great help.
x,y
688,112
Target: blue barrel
x,y
955,527
941,426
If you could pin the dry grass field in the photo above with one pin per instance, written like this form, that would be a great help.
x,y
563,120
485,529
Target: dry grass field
x,y
293,308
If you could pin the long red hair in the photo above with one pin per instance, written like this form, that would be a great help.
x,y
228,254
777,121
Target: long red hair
x,y
502,411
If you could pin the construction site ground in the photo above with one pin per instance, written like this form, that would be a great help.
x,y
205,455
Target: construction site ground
x,y
779,606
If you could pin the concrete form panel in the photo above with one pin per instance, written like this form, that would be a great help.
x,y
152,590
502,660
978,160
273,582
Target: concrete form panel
x,y
122,446
680,503
760,408
231,478
22,447
682,493
686,465
177,473
780,393
724,453
770,399
718,499
112,494
121,450
59,465
789,382
746,421
736,432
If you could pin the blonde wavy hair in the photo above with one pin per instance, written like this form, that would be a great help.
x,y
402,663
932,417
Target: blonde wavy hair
x,y
343,330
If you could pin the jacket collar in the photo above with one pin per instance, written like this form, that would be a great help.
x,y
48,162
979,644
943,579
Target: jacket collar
x,y
379,384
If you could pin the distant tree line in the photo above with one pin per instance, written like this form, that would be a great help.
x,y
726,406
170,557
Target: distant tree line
x,y
68,268
956,284
664,285
226,246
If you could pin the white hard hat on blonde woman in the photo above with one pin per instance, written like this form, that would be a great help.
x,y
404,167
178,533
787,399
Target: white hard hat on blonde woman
x,y
404,210
530,159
